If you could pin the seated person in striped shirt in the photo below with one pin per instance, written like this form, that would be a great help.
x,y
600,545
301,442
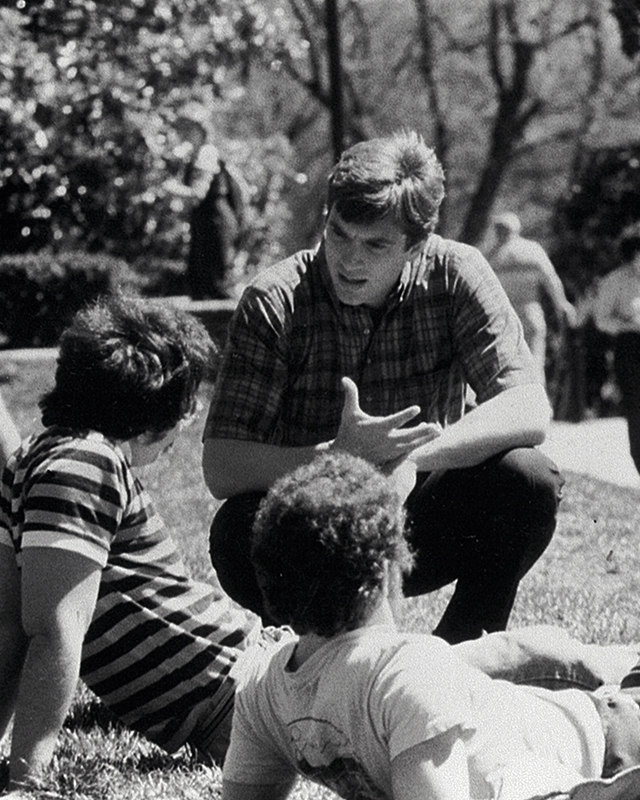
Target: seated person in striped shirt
x,y
91,584
368,345
352,703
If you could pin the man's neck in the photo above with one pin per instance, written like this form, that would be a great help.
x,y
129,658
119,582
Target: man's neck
x,y
309,643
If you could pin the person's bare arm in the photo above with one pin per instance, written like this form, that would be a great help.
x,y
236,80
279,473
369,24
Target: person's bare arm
x,y
233,466
12,639
58,595
436,769
9,435
517,417
555,290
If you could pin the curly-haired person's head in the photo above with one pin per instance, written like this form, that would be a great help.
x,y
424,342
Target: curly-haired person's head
x,y
128,366
323,537
397,175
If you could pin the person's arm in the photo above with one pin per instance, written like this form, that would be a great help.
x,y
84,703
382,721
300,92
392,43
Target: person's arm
x,y
12,638
9,436
58,594
555,291
196,190
517,417
434,770
245,791
233,466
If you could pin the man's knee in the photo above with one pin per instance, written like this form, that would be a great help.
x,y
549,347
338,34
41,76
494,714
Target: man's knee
x,y
531,487
532,474
230,549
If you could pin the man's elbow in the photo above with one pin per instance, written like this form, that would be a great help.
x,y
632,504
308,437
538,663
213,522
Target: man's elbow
x,y
218,475
540,417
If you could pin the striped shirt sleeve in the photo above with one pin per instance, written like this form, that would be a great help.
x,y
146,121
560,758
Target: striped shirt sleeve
x,y
74,502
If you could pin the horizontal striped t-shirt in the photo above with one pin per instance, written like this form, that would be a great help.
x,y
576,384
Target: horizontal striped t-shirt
x,y
160,645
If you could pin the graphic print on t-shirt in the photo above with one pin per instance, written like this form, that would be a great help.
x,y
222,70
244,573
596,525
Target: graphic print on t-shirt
x,y
324,754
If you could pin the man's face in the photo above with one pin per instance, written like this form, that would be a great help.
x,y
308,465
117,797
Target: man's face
x,y
365,261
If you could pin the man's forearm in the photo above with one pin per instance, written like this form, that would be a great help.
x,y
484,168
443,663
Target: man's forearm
x,y
516,418
233,467
47,687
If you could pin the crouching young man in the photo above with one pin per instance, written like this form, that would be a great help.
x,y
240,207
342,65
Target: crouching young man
x,y
91,585
368,711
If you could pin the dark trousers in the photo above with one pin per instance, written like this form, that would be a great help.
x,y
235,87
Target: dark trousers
x,y
626,366
482,527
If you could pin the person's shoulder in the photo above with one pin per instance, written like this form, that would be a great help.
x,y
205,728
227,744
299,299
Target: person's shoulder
x,y
442,248
275,290
288,272
387,643
454,258
60,449
264,659
527,251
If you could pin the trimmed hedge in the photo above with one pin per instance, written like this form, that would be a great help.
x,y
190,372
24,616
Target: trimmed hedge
x,y
40,293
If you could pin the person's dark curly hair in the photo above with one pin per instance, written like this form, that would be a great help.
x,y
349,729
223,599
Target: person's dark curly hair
x,y
397,175
320,541
128,366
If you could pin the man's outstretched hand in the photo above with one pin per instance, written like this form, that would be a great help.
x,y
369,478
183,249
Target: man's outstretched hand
x,y
379,440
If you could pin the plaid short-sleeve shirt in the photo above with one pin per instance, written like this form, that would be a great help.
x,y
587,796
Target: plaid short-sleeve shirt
x,y
448,324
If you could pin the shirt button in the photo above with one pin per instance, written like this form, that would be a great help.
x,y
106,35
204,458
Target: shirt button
x,y
367,331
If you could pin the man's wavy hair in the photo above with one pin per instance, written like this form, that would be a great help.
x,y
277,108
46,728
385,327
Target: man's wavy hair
x,y
397,175
322,538
128,366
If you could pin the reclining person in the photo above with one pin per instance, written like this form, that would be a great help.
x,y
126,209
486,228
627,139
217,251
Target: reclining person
x,y
368,711
91,585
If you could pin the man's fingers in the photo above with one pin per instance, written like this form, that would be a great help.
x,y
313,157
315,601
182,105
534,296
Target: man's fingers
x,y
400,418
424,432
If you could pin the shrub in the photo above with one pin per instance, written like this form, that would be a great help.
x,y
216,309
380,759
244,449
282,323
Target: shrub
x,y
39,293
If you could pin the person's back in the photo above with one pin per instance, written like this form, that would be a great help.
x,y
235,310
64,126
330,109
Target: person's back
x,y
372,712
518,265
368,695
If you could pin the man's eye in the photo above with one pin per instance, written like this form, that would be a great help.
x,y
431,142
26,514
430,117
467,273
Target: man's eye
x,y
377,245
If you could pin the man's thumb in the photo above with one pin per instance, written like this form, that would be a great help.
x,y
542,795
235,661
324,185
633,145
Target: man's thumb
x,y
351,399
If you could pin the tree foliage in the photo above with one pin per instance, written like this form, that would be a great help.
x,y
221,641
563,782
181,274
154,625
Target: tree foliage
x,y
91,94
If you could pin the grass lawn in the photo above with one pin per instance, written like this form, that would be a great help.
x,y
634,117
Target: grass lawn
x,y
588,582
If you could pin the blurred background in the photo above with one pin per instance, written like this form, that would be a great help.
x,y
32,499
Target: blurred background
x,y
105,110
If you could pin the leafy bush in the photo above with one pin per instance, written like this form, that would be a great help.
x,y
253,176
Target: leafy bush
x,y
39,293
159,277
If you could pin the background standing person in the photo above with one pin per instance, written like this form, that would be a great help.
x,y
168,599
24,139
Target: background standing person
x,y
342,347
217,195
91,584
617,313
527,275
